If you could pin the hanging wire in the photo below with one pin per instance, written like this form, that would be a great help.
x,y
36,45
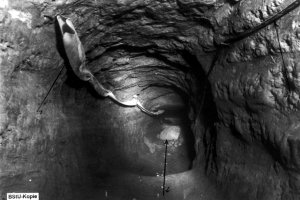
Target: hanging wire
x,y
51,87
284,71
265,23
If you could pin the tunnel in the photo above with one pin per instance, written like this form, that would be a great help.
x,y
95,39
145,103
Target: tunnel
x,y
146,100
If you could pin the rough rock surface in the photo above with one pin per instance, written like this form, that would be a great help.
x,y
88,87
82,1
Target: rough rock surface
x,y
243,97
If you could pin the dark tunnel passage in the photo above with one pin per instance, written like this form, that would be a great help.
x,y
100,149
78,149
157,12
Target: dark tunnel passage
x,y
173,124
122,140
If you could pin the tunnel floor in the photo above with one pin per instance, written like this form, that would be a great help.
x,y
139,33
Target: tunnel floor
x,y
190,185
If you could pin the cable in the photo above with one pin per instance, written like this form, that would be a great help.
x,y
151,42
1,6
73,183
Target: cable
x,y
265,23
61,69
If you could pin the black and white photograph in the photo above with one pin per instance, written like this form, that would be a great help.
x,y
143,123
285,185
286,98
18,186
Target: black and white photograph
x,y
149,100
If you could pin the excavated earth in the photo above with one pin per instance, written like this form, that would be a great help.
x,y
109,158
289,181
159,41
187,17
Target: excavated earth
x,y
231,103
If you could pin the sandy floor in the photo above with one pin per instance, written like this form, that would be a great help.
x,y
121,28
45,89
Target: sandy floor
x,y
188,185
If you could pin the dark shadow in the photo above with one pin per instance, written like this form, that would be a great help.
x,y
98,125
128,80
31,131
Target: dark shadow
x,y
207,108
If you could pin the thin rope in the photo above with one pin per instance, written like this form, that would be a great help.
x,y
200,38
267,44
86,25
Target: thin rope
x,y
58,75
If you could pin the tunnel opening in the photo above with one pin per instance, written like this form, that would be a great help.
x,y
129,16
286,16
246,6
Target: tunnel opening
x,y
149,134
174,126
135,145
